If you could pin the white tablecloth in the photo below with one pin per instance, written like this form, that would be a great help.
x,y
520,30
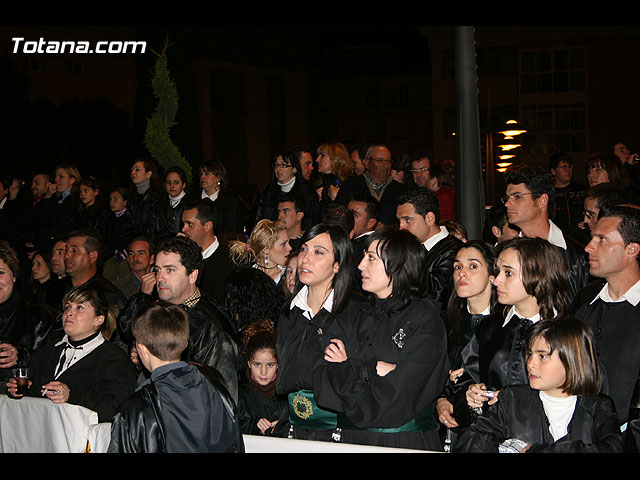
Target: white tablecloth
x,y
37,425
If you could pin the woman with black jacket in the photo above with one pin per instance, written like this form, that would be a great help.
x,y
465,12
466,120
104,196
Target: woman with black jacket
x,y
175,183
147,201
83,368
386,361
325,275
531,283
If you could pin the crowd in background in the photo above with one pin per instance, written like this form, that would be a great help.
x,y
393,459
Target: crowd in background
x,y
346,305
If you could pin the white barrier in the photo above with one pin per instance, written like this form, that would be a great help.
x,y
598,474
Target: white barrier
x,y
37,425
259,444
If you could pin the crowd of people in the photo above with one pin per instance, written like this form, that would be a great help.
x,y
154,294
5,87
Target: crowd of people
x,y
347,305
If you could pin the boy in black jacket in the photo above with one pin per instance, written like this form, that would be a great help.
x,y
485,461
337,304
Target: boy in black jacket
x,y
178,409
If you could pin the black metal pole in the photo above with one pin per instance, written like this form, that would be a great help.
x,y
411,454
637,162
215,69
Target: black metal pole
x,y
469,181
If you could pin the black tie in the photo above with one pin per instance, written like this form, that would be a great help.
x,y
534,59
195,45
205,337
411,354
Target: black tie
x,y
63,358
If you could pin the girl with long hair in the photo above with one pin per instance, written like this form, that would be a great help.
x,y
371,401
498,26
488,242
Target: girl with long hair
x,y
260,408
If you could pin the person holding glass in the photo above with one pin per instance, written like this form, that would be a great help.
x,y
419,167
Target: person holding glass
x,y
83,368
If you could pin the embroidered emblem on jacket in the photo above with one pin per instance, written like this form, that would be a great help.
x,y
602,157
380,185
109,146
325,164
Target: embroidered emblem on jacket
x,y
398,338
302,407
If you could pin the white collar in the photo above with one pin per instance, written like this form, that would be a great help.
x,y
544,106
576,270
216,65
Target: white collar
x,y
555,236
632,295
207,252
486,311
431,241
512,312
74,355
364,234
173,201
213,197
90,345
300,301
286,187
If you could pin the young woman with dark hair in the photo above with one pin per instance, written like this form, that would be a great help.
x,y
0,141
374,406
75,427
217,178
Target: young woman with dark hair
x,y
323,290
531,282
93,213
387,360
118,228
473,297
147,200
175,184
232,214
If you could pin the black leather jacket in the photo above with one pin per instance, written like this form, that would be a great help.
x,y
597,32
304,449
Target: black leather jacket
x,y
577,266
145,423
440,268
519,413
212,340
25,326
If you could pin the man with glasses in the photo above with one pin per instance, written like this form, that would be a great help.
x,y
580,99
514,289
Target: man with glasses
x,y
530,191
421,169
375,181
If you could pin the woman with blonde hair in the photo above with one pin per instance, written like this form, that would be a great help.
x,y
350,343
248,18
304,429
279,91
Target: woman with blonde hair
x,y
336,167
65,204
267,249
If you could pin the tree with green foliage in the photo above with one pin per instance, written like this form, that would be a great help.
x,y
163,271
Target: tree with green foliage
x,y
157,138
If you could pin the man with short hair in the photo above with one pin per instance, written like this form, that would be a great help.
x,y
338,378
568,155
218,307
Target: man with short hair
x,y
530,191
339,215
212,339
178,409
569,194
377,182
57,256
420,169
419,213
140,259
366,212
291,212
39,214
358,155
613,309
81,259
596,197
199,219
305,158
497,227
